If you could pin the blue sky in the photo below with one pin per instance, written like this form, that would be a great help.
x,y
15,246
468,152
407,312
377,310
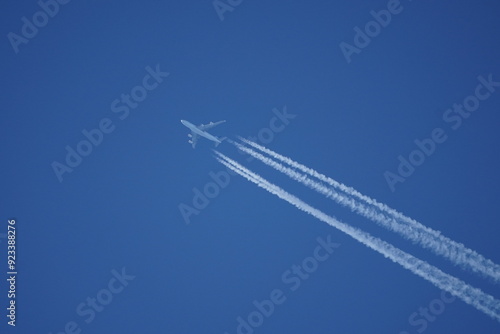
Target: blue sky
x,y
112,228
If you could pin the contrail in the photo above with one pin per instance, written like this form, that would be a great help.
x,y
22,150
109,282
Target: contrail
x,y
472,296
409,228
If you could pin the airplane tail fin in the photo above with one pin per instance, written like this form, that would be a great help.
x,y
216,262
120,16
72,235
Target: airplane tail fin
x,y
221,140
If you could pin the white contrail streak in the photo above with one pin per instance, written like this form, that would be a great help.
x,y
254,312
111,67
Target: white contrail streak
x,y
409,228
472,296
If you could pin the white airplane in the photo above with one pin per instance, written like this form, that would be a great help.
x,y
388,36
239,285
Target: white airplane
x,y
200,131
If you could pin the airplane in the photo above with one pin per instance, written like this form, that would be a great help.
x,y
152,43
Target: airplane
x,y
200,131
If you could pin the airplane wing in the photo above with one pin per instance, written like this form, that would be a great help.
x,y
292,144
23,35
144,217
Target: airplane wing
x,y
204,127
194,139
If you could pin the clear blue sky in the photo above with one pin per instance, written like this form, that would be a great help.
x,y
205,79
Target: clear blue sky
x,y
117,213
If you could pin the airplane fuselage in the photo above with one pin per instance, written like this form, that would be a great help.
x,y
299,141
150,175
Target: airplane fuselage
x,y
199,132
